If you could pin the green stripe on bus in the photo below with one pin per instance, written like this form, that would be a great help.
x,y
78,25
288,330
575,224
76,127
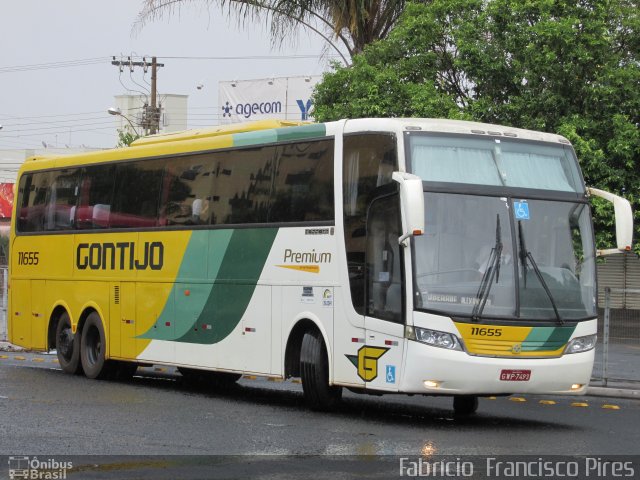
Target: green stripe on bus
x,y
559,337
231,293
192,267
314,130
547,338
234,262
254,138
284,134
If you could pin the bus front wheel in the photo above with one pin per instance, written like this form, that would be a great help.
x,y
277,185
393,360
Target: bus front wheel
x,y
465,404
93,347
67,346
314,370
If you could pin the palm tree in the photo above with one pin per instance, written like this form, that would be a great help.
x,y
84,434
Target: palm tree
x,y
350,24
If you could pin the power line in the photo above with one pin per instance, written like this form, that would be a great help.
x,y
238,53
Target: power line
x,y
252,57
99,60
54,122
52,65
151,113
22,117
62,132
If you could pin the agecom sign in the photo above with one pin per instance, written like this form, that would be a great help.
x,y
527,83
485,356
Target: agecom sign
x,y
284,98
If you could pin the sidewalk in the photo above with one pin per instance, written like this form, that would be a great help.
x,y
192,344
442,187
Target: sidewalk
x,y
613,389
8,347
623,371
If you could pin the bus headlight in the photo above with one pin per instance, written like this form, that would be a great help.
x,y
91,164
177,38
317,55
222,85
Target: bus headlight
x,y
581,344
434,338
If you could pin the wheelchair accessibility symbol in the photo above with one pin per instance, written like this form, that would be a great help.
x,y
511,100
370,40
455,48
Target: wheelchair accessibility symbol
x,y
521,210
391,374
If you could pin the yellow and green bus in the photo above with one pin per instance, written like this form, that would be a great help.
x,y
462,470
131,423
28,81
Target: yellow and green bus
x,y
382,255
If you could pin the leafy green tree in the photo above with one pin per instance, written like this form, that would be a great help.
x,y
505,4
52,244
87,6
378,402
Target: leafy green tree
x,y
569,67
343,24
126,137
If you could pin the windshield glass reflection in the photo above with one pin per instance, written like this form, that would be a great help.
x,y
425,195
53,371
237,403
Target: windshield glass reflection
x,y
468,262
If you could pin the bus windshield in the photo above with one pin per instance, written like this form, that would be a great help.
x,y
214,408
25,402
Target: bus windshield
x,y
496,255
461,242
491,161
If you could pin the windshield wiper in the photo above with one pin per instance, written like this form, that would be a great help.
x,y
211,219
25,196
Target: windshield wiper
x,y
526,255
492,270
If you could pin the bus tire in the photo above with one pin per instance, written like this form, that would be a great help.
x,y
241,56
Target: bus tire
x,y
67,346
465,404
314,371
93,347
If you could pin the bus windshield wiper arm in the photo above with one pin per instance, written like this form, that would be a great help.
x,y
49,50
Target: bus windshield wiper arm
x,y
492,270
526,255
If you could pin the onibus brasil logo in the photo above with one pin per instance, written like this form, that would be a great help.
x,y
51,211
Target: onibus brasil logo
x,y
33,468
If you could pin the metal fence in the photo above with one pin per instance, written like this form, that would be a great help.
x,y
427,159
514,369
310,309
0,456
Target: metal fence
x,y
618,348
4,276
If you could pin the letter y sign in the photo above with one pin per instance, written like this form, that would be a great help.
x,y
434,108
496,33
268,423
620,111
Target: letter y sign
x,y
304,109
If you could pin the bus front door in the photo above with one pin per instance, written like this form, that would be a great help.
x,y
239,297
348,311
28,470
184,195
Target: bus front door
x,y
384,321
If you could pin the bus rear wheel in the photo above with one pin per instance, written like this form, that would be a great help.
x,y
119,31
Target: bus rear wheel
x,y
465,405
93,348
67,346
314,370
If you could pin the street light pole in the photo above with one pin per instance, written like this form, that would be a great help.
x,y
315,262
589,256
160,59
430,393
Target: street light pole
x,y
116,111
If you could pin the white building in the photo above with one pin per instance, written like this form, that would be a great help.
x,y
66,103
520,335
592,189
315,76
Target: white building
x,y
173,112
12,159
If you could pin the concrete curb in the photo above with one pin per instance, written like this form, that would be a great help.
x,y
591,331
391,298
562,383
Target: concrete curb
x,y
613,392
8,347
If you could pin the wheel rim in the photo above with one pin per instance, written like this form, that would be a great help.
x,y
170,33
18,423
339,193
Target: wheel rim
x,y
93,346
65,343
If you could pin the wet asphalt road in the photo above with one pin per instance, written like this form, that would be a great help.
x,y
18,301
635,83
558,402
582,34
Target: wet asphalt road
x,y
46,412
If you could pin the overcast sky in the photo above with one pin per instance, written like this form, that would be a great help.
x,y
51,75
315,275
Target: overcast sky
x,y
67,106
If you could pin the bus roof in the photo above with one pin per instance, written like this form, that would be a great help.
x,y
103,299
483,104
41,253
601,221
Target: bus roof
x,y
215,131
269,131
441,125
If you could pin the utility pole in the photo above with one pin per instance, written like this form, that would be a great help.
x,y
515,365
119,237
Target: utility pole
x,y
155,125
151,113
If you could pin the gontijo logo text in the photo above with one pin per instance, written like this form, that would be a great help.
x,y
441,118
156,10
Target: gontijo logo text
x,y
119,256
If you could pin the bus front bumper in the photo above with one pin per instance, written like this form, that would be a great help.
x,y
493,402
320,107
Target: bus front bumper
x,y
438,371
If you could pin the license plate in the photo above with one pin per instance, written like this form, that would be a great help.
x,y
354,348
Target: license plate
x,y
515,375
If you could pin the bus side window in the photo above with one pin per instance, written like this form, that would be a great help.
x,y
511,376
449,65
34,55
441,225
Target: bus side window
x,y
96,194
22,211
137,194
186,189
61,206
34,192
303,183
369,161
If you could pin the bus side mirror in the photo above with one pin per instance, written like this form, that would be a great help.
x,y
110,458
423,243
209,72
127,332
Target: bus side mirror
x,y
411,205
624,221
